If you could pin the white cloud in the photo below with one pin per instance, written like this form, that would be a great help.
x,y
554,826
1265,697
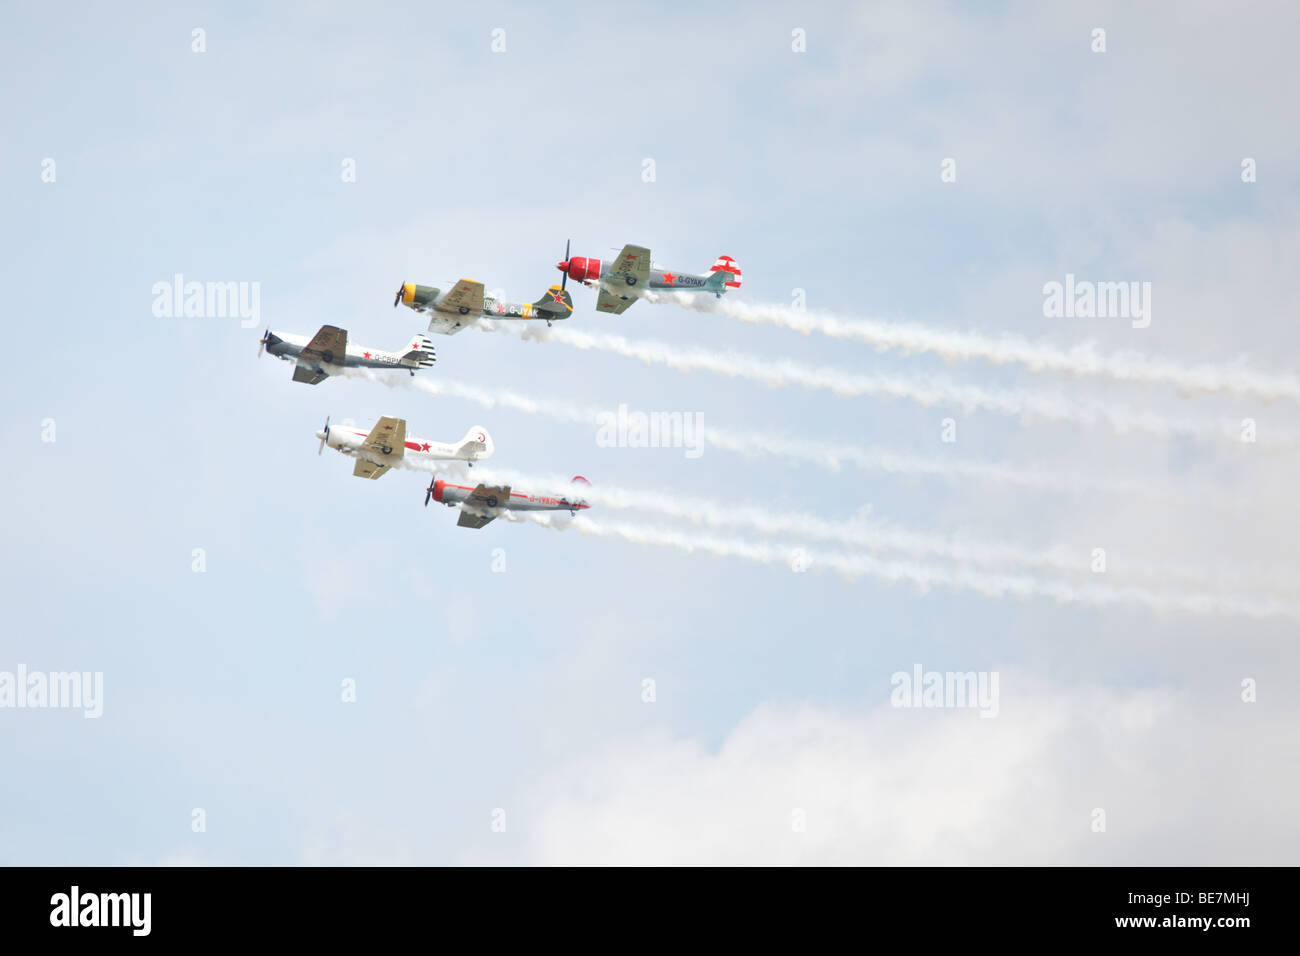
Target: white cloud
x,y
1183,778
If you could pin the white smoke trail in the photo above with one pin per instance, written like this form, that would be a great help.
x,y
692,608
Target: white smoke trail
x,y
1082,360
724,514
828,455
926,576
930,392
857,533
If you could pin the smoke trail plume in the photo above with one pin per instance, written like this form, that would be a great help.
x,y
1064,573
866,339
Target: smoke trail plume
x,y
1081,360
826,454
856,533
927,575
928,392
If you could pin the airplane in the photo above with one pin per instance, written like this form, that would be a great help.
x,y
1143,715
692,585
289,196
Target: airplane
x,y
326,352
465,304
387,444
622,281
482,503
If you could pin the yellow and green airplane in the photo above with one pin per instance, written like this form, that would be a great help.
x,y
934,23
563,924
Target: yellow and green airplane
x,y
466,303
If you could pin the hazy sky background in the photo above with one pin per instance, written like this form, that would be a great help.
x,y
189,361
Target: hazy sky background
x,y
522,690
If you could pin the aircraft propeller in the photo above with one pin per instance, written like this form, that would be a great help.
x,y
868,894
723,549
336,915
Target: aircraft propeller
x,y
398,298
261,346
326,436
564,282
428,492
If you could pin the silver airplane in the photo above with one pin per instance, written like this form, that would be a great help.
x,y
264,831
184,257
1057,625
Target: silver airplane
x,y
622,281
328,351
483,503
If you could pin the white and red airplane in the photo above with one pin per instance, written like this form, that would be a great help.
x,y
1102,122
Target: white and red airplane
x,y
622,281
328,351
387,444
482,503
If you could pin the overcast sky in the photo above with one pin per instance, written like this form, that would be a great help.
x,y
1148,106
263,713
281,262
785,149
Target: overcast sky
x,y
527,695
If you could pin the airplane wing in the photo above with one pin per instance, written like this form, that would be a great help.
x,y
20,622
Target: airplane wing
x,y
481,504
449,324
487,497
329,345
465,298
388,436
633,262
368,469
308,373
614,304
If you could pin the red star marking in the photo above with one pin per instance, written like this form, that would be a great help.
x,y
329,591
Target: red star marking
x,y
669,278
367,354
557,297
424,446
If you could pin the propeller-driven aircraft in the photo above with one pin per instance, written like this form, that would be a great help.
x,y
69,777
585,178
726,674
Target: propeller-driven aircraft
x,y
387,444
482,503
328,351
466,303
622,281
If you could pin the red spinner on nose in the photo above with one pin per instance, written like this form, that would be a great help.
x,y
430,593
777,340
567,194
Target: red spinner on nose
x,y
580,268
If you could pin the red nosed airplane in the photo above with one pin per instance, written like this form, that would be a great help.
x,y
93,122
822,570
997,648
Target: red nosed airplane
x,y
482,503
622,281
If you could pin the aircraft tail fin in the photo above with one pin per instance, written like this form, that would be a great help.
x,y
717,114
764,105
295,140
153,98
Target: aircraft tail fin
x,y
574,496
420,352
556,303
727,271
476,445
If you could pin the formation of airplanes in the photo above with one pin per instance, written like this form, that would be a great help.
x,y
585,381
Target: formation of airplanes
x,y
618,284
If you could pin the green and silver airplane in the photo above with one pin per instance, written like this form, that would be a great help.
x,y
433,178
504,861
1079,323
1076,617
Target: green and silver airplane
x,y
465,304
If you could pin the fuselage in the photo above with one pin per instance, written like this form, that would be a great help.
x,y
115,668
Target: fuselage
x,y
288,346
668,279
500,309
595,272
449,493
423,301
352,441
